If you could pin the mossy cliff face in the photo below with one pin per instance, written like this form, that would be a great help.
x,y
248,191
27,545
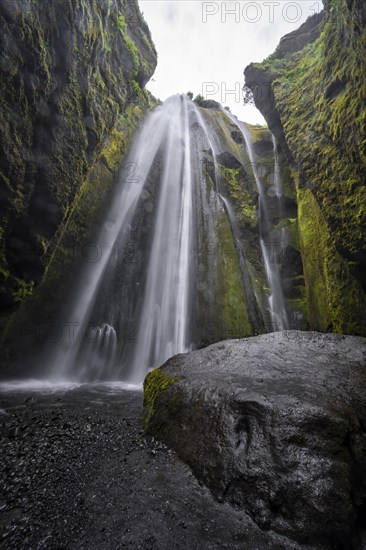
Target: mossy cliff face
x,y
73,245
70,97
237,184
313,97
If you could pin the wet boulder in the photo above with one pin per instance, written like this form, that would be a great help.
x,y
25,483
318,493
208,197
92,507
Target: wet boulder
x,y
275,425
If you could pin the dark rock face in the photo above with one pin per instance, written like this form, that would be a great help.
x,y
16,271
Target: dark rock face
x,y
228,160
68,70
239,188
275,424
208,104
260,80
237,137
311,93
301,37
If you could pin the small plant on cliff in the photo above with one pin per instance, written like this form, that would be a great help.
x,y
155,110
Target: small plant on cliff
x,y
25,289
248,96
199,99
121,22
190,95
130,45
136,88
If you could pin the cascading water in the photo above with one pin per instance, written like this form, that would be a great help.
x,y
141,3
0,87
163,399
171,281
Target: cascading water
x,y
268,245
165,312
95,351
160,286
252,301
141,302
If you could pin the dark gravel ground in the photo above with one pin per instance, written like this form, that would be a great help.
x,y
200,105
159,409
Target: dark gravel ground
x,y
77,472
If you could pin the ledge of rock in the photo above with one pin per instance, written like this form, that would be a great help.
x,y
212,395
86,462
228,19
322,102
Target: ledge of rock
x,y
274,424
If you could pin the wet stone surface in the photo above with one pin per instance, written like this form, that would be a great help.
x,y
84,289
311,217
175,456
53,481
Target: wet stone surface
x,y
276,425
77,472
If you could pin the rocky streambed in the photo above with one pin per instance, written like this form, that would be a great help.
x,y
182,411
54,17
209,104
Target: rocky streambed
x,y
77,472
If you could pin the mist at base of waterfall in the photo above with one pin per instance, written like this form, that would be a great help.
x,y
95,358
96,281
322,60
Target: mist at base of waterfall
x,y
46,386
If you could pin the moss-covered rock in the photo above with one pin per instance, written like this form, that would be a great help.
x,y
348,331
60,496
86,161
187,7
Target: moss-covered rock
x,y
237,183
243,195
313,97
233,301
70,70
28,328
155,383
336,301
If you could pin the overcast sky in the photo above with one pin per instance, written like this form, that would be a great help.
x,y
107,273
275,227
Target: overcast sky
x,y
204,49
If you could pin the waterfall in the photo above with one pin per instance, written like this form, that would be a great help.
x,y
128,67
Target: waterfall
x,y
268,244
115,230
160,286
94,351
204,127
156,290
164,317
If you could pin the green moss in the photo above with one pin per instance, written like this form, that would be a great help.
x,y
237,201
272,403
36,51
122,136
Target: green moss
x,y
246,208
233,310
259,133
121,22
331,153
136,88
56,119
319,95
24,290
111,152
156,382
130,44
210,185
335,299
223,126
65,247
95,188
288,183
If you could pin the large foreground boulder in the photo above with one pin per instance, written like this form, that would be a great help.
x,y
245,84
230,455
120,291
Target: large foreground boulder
x,y
274,424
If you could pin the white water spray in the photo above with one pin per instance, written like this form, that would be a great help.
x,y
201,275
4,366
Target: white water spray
x,y
164,317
